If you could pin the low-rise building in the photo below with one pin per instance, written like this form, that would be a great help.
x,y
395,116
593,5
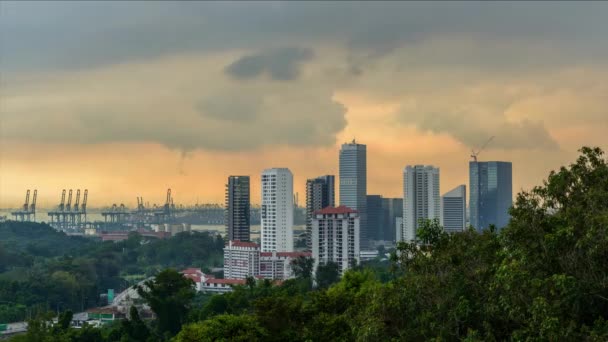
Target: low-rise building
x,y
196,275
277,265
214,285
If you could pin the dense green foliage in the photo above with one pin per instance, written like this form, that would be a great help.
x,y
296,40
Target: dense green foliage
x,y
542,278
169,295
42,269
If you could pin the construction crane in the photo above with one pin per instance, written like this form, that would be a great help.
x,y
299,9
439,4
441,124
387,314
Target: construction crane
x,y
474,153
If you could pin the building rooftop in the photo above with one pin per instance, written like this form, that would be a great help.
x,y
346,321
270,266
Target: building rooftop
x,y
335,210
287,254
191,271
226,281
237,243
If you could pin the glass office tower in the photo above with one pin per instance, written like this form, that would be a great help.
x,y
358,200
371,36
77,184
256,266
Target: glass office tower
x,y
491,193
353,184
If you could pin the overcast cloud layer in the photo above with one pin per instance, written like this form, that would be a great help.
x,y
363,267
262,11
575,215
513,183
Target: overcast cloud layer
x,y
242,76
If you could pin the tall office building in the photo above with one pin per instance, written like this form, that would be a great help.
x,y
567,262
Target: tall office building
x,y
392,208
237,208
277,210
454,209
353,184
375,217
320,193
420,198
491,193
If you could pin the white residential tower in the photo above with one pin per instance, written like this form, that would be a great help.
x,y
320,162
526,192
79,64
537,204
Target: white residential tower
x,y
277,210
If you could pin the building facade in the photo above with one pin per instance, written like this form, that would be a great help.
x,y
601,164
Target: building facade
x,y
392,208
320,193
238,208
277,210
277,265
454,209
241,260
335,237
353,184
491,193
375,217
421,198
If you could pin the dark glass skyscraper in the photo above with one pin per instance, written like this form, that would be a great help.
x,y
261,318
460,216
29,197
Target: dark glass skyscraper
x,y
320,193
375,217
491,193
237,208
391,208
353,184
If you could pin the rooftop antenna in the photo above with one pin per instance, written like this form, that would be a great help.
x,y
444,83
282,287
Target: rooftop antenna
x,y
474,153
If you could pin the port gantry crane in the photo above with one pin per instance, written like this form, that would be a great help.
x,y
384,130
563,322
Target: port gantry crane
x,y
67,216
27,211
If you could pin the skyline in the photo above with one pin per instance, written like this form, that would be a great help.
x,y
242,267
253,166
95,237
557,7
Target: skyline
x,y
126,107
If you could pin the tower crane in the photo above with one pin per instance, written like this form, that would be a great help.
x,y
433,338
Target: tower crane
x,y
474,153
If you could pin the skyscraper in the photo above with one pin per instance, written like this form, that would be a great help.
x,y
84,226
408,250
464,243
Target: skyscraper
x,y
375,217
454,209
237,208
420,198
392,208
491,193
353,184
277,210
320,193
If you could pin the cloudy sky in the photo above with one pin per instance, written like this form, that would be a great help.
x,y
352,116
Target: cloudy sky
x,y
128,99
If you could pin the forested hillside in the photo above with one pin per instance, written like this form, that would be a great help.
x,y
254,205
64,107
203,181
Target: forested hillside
x,y
42,269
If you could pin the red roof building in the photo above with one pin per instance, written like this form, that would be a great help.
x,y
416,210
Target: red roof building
x,y
336,210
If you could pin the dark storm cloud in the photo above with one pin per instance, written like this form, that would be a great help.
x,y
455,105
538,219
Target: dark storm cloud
x,y
239,111
280,64
84,34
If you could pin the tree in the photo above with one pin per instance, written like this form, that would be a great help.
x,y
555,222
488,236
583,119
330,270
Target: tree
x,y
169,296
303,268
223,328
554,280
327,274
134,329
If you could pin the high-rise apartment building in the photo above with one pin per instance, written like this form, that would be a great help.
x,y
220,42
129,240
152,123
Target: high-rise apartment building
x,y
335,236
320,193
353,183
238,208
277,210
491,193
421,198
454,209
